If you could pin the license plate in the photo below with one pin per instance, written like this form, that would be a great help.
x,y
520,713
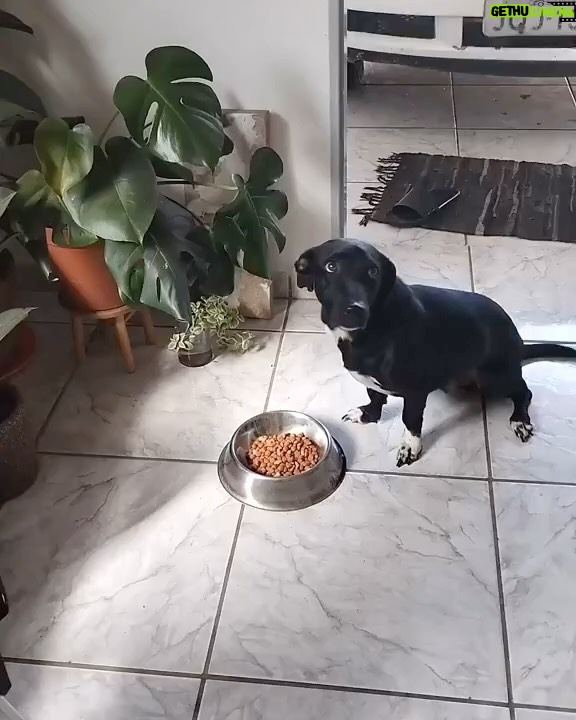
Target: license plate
x,y
535,17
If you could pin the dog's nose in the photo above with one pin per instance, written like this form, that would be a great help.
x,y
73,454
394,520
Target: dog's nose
x,y
355,315
355,308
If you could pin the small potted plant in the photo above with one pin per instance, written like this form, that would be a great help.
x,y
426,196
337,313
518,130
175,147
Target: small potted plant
x,y
92,211
18,463
213,322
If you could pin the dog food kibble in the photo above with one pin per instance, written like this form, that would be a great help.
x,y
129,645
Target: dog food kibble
x,y
282,455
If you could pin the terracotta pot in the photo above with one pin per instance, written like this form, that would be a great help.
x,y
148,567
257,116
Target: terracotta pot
x,y
86,284
18,463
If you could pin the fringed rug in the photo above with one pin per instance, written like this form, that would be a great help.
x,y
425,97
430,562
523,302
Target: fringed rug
x,y
535,201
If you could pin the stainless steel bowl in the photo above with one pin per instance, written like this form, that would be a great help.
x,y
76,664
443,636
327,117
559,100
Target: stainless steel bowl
x,y
287,493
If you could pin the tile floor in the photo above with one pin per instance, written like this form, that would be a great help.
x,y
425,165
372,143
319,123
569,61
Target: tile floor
x,y
140,591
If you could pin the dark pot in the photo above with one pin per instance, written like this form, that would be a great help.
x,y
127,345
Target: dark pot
x,y
18,462
10,344
7,280
199,355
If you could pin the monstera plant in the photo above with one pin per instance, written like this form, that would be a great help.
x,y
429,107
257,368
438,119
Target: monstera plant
x,y
105,192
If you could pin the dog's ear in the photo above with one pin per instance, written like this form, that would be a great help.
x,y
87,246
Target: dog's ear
x,y
306,269
387,274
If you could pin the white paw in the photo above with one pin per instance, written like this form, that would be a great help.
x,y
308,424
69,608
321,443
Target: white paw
x,y
354,416
522,430
410,450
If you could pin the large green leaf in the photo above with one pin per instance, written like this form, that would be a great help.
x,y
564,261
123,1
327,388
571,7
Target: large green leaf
x,y
6,195
36,206
176,262
66,155
11,22
34,193
151,273
16,92
176,117
118,198
172,171
22,129
247,221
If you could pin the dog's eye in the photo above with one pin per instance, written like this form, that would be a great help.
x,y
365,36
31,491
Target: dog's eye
x,y
373,272
331,267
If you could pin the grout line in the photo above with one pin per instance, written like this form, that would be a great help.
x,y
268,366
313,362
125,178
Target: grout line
x,y
476,129
218,615
354,471
353,689
464,84
454,114
471,265
228,571
501,598
101,668
549,708
570,90
43,427
216,677
277,358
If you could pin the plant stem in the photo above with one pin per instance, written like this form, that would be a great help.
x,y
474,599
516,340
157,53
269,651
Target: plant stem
x,y
174,182
107,128
231,188
198,219
201,184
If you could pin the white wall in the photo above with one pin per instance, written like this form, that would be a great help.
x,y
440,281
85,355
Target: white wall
x,y
265,54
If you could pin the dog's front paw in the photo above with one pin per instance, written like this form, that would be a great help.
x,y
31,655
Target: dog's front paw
x,y
409,451
522,430
356,415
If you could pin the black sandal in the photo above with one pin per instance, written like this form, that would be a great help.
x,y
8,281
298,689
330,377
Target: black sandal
x,y
418,204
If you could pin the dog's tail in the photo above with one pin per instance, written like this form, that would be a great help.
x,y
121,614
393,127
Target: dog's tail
x,y
545,351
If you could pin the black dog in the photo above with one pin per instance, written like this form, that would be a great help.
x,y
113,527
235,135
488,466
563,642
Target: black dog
x,y
411,340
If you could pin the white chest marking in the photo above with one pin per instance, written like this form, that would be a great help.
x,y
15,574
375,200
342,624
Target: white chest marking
x,y
369,382
338,333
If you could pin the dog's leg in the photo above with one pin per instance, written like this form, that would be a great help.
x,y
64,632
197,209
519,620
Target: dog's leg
x,y
370,413
520,419
505,380
412,417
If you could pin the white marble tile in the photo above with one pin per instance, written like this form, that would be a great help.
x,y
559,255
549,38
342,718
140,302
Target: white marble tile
x,y
52,693
399,106
304,316
533,281
453,432
389,74
430,257
473,79
49,370
520,107
550,455
239,701
116,562
545,146
389,584
162,410
365,146
537,535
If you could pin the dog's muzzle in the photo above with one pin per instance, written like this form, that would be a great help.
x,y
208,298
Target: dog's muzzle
x,y
355,317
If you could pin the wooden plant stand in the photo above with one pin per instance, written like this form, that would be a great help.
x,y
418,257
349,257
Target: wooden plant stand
x,y
118,317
